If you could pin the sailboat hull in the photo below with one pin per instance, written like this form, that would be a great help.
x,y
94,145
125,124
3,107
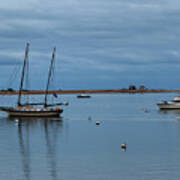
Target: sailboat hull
x,y
33,114
13,112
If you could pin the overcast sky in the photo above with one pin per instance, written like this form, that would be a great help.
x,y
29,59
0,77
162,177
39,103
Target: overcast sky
x,y
100,44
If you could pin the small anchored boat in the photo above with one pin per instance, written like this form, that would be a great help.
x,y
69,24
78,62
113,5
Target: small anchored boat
x,y
83,96
172,105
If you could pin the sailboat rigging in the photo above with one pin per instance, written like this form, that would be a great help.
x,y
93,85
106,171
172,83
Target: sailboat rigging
x,y
23,72
29,109
49,77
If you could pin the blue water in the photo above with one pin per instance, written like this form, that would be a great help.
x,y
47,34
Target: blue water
x,y
73,147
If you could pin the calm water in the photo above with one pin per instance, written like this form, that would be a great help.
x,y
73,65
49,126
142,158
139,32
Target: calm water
x,y
73,147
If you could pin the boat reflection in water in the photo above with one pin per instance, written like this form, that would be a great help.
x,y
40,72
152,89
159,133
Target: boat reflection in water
x,y
174,111
51,128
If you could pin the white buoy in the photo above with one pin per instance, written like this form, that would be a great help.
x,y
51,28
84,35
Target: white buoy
x,y
16,122
124,146
97,123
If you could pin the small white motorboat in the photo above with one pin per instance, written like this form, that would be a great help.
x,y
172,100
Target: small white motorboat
x,y
174,104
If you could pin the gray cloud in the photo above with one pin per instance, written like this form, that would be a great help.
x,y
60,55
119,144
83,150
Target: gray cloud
x,y
102,36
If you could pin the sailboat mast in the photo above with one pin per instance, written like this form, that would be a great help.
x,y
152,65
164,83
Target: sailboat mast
x,y
49,77
22,76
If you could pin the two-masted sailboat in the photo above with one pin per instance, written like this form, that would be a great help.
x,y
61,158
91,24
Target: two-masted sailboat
x,y
34,109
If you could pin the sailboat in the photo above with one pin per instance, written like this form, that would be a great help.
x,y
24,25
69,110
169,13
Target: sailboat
x,y
30,109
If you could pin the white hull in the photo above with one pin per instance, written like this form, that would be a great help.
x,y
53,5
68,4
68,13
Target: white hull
x,y
169,106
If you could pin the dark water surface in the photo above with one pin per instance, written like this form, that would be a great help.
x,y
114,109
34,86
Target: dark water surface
x,y
73,147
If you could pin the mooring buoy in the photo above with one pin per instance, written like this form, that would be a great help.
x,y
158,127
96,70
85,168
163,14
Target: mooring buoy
x,y
123,146
97,123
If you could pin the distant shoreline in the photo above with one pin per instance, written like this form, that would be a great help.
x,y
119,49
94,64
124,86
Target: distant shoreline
x,y
107,91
